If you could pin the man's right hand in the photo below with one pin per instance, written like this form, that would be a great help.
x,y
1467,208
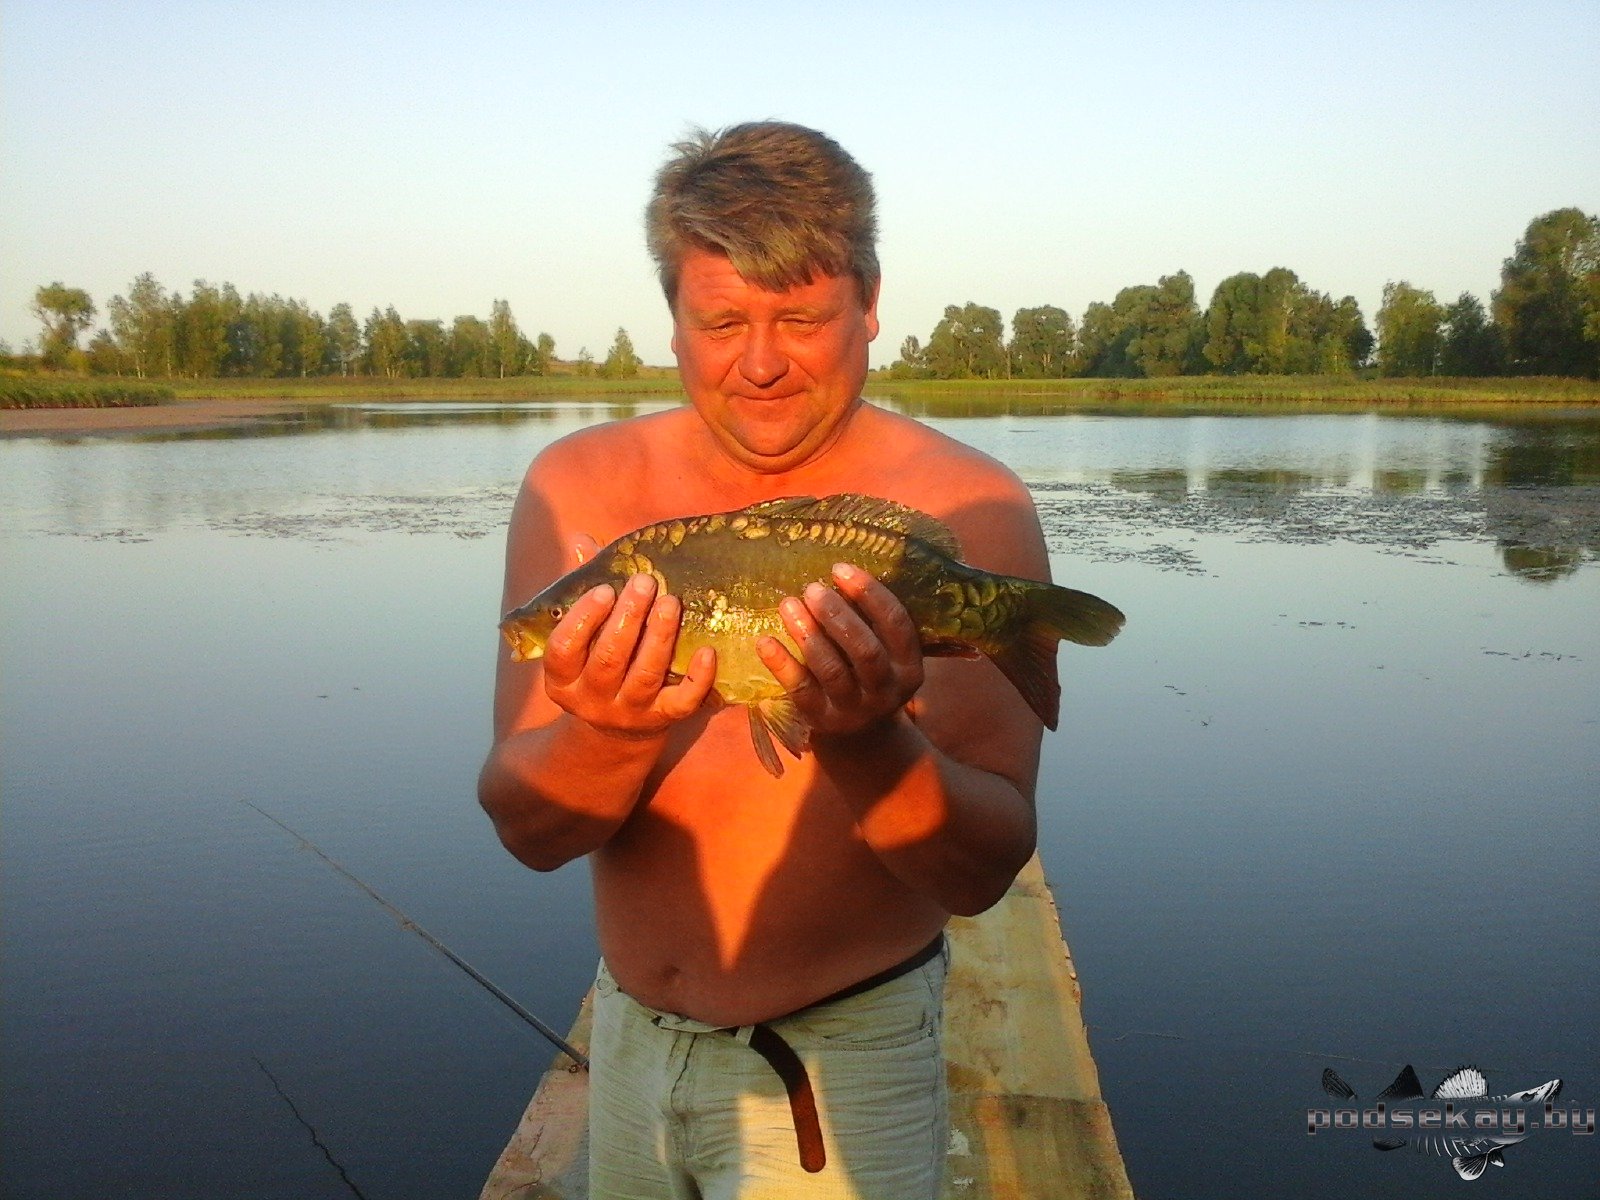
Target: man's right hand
x,y
607,661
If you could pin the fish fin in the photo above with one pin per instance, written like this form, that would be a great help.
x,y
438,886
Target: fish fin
x,y
781,716
762,740
1464,1083
1471,1168
1388,1143
1029,663
869,510
1496,1159
950,650
1072,615
1336,1087
1406,1086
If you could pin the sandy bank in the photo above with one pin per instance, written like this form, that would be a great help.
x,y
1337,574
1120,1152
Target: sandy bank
x,y
180,416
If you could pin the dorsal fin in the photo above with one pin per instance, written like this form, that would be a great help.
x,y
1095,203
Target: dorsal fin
x,y
868,510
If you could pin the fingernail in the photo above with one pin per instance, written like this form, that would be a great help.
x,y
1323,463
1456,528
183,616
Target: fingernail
x,y
604,594
815,592
667,607
642,585
844,571
793,608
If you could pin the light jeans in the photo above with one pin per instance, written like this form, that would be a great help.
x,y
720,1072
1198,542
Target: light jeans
x,y
678,1110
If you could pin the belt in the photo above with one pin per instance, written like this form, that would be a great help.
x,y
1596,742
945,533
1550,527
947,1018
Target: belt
x,y
780,1056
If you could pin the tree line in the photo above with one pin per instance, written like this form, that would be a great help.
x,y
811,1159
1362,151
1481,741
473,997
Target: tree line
x,y
214,332
1544,319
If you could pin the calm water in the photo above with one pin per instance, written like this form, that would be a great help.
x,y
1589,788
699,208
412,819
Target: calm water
x,y
1331,799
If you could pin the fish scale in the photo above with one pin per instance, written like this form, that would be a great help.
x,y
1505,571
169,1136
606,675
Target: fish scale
x,y
731,570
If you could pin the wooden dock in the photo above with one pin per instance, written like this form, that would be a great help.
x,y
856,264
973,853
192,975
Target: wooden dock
x,y
1026,1116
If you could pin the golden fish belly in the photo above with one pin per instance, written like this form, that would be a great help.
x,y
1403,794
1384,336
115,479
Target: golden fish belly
x,y
742,678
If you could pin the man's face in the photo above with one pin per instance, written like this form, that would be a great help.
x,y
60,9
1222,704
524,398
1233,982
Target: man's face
x,y
773,374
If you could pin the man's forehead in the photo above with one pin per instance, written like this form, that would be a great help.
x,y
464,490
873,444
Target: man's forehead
x,y
710,282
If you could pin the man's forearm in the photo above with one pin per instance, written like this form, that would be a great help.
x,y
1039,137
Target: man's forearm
x,y
561,790
950,831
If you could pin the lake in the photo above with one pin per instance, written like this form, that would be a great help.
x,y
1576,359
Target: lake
x,y
1330,801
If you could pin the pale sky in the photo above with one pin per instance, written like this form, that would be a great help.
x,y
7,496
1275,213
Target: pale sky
x,y
437,156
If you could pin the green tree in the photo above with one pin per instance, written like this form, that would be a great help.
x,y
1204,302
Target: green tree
x,y
1102,350
1548,304
104,357
506,339
620,362
1158,325
305,339
1408,331
344,337
1042,341
471,351
1274,324
385,335
585,364
967,343
427,354
144,327
1472,344
202,329
65,313
544,353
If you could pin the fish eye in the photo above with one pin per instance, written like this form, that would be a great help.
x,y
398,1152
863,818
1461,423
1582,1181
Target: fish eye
x,y
555,612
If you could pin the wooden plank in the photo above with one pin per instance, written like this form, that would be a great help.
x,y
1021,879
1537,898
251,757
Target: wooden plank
x,y
1026,1115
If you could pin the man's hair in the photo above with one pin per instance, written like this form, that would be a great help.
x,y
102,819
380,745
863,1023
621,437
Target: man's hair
x,y
784,203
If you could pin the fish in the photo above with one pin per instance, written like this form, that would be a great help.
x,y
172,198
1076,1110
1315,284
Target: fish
x,y
1470,1153
730,571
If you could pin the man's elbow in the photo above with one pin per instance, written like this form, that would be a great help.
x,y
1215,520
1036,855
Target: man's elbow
x,y
527,843
986,883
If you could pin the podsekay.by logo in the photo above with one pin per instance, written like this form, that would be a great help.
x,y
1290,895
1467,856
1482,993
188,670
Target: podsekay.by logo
x,y
1459,1120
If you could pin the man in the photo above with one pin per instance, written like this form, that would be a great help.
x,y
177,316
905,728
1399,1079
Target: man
x,y
733,907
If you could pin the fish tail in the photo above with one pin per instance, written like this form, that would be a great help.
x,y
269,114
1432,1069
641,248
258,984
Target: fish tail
x,y
1074,616
1053,614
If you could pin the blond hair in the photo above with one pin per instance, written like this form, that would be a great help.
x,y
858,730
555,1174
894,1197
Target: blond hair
x,y
784,203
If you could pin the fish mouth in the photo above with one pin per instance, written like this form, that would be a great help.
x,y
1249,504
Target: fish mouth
x,y
524,648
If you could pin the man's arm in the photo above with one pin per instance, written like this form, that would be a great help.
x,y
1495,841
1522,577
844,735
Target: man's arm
x,y
944,796
577,733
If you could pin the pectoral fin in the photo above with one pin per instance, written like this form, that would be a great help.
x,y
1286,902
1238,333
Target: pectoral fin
x,y
777,716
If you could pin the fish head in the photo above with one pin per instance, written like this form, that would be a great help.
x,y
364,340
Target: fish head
x,y
528,629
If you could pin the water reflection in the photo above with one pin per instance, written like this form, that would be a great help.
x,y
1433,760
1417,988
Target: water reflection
x,y
1529,487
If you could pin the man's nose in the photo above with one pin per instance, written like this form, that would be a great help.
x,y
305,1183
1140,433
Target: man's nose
x,y
762,362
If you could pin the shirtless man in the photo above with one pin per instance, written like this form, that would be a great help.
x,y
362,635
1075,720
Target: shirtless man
x,y
727,899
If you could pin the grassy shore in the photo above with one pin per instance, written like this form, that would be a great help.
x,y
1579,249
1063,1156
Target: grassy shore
x,y
1334,392
373,388
934,397
41,391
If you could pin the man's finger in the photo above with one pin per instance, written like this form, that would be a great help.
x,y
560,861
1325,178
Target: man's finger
x,y
883,609
653,658
567,649
828,667
682,698
613,648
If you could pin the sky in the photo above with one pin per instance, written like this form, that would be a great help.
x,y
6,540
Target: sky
x,y
439,156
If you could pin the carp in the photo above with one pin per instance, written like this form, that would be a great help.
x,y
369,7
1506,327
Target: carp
x,y
731,570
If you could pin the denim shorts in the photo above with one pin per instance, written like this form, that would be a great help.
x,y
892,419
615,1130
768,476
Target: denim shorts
x,y
680,1110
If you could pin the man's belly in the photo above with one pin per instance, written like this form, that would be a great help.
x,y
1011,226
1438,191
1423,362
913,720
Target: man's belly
x,y
731,897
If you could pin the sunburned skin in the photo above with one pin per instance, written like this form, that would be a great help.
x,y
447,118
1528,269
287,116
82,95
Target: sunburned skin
x,y
723,893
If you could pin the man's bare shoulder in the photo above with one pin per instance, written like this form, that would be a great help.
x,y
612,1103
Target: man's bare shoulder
x,y
582,475
614,446
981,498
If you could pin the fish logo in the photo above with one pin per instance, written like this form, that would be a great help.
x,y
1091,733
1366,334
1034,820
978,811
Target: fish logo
x,y
1474,1127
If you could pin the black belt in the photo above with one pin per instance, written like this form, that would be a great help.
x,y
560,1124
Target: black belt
x,y
780,1056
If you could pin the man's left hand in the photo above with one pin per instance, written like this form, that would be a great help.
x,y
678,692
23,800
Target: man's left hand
x,y
863,657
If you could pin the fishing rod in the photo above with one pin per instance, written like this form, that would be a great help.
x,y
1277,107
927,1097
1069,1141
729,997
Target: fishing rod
x,y
407,923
